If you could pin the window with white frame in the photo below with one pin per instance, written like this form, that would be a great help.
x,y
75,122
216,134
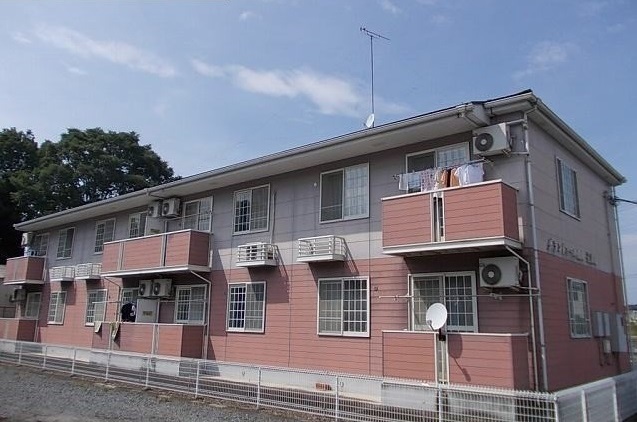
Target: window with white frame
x,y
104,232
95,306
32,306
578,315
198,214
453,155
137,224
251,209
343,306
567,185
65,243
345,193
57,303
40,244
129,295
246,307
455,290
190,304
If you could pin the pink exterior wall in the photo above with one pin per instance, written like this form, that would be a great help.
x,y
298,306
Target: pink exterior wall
x,y
24,268
409,355
19,329
407,220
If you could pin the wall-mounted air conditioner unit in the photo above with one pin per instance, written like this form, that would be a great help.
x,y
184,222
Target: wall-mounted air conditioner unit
x,y
491,140
18,295
154,209
503,271
162,287
170,207
146,288
26,239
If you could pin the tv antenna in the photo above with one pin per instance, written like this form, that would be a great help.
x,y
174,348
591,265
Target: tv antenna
x,y
372,35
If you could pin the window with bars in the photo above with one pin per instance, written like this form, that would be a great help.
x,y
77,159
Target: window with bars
x,y
40,244
198,214
129,295
190,304
104,232
345,193
246,307
455,290
95,306
578,313
137,224
57,303
32,306
567,185
251,209
343,306
453,155
65,243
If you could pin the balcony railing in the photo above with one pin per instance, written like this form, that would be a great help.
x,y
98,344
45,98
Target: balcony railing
x,y
180,251
88,271
478,216
322,248
62,273
25,270
256,255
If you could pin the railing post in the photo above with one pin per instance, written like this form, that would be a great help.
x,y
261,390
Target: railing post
x,y
336,404
108,364
44,358
73,362
583,403
615,406
197,379
20,353
259,388
147,371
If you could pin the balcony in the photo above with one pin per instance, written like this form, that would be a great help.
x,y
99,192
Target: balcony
x,y
19,329
88,271
63,273
256,255
460,219
179,251
25,270
322,248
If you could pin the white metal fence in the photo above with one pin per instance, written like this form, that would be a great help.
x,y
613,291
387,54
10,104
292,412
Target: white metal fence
x,y
337,396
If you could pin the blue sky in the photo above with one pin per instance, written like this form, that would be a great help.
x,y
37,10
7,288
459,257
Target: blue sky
x,y
210,83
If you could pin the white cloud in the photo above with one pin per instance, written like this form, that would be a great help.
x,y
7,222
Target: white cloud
x,y
248,14
546,56
207,69
75,70
440,19
113,51
390,7
21,38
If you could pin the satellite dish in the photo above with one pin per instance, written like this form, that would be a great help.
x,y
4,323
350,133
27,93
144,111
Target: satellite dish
x,y
370,121
436,316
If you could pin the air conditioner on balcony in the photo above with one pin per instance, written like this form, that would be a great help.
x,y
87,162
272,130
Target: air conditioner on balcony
x,y
18,295
503,271
146,288
491,140
26,239
162,287
154,209
170,207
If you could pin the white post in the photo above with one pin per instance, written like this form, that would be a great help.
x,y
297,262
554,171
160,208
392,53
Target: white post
x,y
20,354
108,363
337,397
259,388
583,403
73,362
197,379
615,407
147,371
44,359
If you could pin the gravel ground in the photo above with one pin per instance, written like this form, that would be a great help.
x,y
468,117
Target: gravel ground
x,y
31,395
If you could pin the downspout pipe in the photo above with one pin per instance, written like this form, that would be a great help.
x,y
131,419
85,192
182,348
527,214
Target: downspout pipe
x,y
207,314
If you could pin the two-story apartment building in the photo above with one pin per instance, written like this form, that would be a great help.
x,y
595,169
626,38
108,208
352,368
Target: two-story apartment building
x,y
328,256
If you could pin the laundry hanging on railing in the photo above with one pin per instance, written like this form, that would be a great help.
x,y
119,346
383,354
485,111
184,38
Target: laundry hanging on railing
x,y
441,177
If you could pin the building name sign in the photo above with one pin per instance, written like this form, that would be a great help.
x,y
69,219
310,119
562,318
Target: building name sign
x,y
560,248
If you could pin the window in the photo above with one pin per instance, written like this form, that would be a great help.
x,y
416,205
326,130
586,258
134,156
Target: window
x,y
129,295
343,307
40,244
246,307
198,214
345,193
578,317
57,303
455,290
104,232
567,185
65,243
95,306
251,208
190,304
32,307
453,155
137,224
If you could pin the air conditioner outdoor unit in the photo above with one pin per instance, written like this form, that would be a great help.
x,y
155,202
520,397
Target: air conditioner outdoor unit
x,y
154,209
170,207
503,271
146,288
162,287
491,140
18,295
26,239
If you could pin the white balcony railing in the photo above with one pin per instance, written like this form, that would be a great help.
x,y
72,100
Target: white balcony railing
x,y
322,248
256,255
88,270
62,273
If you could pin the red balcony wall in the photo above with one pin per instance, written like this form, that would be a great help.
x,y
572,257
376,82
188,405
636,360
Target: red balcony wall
x,y
409,355
24,268
19,329
407,220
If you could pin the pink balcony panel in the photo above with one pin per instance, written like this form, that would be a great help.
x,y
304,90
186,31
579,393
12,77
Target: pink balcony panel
x,y
25,270
19,329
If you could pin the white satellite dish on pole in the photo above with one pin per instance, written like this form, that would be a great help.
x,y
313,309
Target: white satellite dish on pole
x,y
436,316
369,123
